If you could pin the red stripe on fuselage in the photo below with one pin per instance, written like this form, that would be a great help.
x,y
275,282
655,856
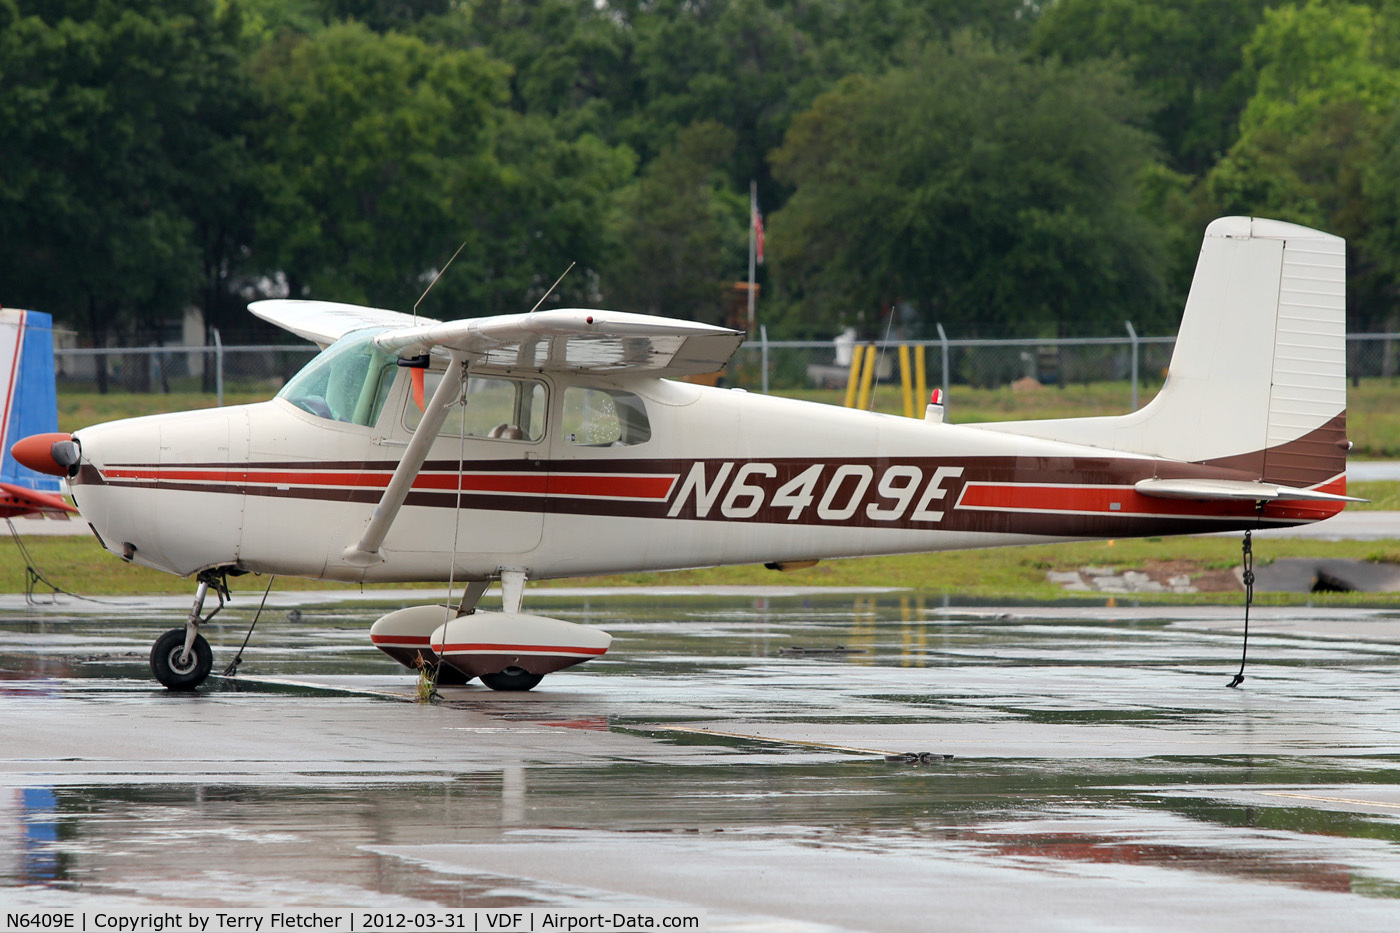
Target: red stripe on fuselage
x,y
583,485
400,641
1116,500
612,487
1337,487
518,649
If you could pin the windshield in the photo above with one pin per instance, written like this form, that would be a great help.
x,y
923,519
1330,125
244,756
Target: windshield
x,y
348,382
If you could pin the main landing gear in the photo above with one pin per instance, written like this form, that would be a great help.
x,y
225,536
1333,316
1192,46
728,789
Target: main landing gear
x,y
181,658
508,650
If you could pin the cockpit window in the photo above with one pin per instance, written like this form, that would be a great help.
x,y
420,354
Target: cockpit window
x,y
507,409
604,418
347,382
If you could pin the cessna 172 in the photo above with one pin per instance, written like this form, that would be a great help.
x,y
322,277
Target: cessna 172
x,y
551,444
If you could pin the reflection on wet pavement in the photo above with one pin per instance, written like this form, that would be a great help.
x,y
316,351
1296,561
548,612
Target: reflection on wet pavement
x,y
1100,771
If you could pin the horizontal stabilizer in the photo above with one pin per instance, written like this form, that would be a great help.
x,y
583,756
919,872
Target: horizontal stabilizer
x,y
1232,489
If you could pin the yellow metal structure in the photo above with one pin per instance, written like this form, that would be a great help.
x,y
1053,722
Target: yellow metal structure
x,y
906,380
867,378
853,378
920,378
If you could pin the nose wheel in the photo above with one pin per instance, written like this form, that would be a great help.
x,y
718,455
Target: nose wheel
x,y
173,667
181,658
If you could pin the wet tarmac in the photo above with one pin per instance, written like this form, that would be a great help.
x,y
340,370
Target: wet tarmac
x,y
1056,768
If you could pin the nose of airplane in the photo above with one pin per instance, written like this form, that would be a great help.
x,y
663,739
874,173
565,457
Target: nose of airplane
x,y
55,454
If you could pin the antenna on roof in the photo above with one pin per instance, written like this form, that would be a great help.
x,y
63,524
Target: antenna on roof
x,y
434,281
552,288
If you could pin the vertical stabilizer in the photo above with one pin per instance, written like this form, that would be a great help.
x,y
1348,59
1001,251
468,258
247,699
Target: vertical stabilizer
x,y
30,395
1257,381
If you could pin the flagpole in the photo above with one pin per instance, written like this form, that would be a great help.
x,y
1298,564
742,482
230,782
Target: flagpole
x,y
753,247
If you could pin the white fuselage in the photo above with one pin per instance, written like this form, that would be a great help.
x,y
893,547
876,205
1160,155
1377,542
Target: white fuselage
x,y
714,477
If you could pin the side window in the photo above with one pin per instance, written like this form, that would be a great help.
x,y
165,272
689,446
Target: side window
x,y
509,409
604,418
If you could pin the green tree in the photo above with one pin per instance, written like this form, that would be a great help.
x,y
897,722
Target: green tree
x,y
1184,55
546,207
264,20
370,143
382,15
570,59
753,65
738,63
1326,76
994,195
121,129
681,230
385,152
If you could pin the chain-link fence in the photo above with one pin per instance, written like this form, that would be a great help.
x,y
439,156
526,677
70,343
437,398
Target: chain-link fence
x,y
212,369
1373,355
778,367
784,366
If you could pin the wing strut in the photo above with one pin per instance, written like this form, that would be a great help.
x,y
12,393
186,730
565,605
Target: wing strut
x,y
366,552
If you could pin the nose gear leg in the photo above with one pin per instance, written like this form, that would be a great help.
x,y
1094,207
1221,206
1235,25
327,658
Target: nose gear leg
x,y
181,658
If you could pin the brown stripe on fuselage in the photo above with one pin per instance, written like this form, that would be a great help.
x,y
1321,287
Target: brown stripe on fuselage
x,y
1313,458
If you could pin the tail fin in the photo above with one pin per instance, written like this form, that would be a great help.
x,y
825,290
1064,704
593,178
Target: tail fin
x,y
30,396
1257,381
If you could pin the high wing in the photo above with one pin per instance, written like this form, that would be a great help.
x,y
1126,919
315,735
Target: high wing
x,y
325,322
572,339
577,340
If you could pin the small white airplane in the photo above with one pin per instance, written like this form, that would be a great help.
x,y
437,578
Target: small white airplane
x,y
551,444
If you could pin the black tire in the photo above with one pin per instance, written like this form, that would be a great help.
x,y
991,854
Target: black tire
x,y
166,666
512,678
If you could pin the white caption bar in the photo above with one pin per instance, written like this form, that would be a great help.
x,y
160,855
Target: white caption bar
x,y
206,920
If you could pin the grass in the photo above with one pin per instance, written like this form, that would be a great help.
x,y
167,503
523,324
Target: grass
x,y
80,409
79,564
1019,572
1384,496
1373,418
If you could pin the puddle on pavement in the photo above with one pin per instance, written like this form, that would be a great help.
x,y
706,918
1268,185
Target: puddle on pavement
x,y
1072,738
